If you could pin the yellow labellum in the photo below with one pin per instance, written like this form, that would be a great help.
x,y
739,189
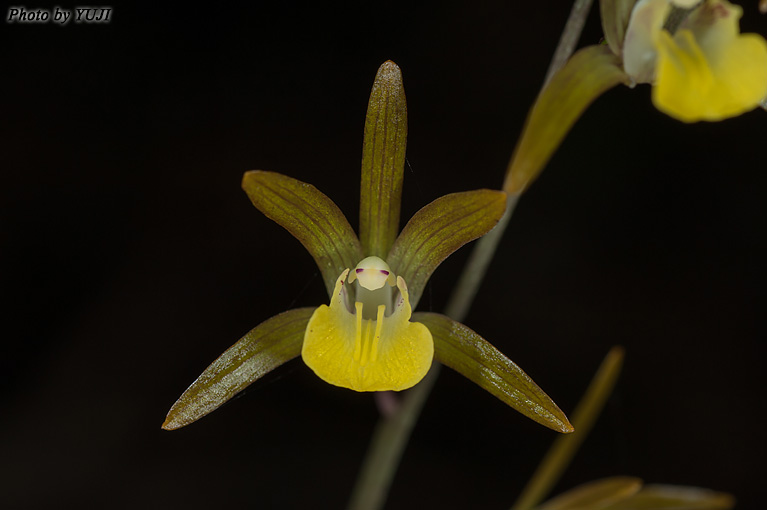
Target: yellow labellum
x,y
710,71
378,353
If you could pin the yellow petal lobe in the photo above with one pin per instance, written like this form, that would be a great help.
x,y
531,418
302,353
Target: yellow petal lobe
x,y
387,353
709,71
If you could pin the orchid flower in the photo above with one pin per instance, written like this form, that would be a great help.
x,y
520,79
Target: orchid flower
x,y
368,338
706,69
699,64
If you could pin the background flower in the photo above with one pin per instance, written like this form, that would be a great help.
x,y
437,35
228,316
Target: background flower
x,y
704,68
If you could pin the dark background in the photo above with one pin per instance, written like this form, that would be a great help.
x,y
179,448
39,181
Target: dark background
x,y
131,258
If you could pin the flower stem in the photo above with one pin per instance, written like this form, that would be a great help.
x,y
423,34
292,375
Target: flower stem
x,y
484,249
569,38
562,451
468,283
389,440
393,432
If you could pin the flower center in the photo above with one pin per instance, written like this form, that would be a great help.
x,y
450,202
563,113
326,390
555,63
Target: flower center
x,y
371,291
373,301
364,339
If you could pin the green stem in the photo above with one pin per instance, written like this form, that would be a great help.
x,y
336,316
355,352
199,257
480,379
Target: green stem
x,y
389,440
569,39
484,249
468,283
563,450
393,432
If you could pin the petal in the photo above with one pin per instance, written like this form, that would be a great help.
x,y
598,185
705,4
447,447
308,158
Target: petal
x,y
264,348
386,353
588,74
715,23
615,16
676,497
440,228
684,77
383,161
639,49
707,71
475,358
685,4
597,494
310,216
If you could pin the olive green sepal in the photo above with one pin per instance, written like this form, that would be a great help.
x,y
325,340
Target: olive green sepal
x,y
439,229
587,75
264,348
383,161
313,218
615,16
629,493
597,494
475,358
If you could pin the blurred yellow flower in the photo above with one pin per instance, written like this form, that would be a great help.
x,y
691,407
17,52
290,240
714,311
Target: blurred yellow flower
x,y
706,70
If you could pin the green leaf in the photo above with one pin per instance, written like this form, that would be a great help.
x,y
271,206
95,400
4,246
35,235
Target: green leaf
x,y
587,75
383,161
439,229
264,348
475,358
595,495
615,16
310,216
675,497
